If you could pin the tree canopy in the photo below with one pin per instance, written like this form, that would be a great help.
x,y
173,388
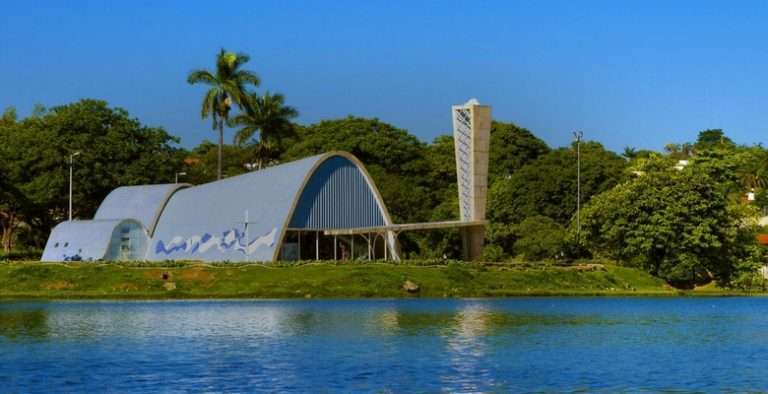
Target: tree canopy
x,y
677,224
115,150
547,186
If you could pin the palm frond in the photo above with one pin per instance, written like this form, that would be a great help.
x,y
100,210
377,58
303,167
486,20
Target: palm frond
x,y
209,102
245,133
245,77
198,76
241,58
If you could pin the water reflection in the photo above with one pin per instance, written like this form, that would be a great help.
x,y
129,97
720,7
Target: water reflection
x,y
467,347
473,320
32,323
384,345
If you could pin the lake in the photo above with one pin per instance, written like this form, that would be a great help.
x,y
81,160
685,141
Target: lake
x,y
497,345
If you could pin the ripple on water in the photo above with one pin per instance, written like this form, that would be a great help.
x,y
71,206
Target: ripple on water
x,y
525,344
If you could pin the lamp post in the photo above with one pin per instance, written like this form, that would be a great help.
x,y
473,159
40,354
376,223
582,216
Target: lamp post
x,y
71,165
578,135
179,174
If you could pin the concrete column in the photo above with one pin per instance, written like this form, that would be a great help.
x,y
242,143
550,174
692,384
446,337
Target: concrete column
x,y
472,240
472,136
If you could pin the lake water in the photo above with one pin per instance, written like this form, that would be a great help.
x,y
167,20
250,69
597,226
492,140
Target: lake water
x,y
509,345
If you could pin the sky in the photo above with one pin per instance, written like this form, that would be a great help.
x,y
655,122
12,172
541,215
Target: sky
x,y
626,73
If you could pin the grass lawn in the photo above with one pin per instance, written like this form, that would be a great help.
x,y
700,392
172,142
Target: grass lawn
x,y
324,280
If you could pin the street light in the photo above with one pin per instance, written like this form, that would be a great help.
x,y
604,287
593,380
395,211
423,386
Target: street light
x,y
179,174
578,135
71,165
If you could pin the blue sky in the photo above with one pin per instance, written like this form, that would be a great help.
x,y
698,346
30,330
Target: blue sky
x,y
627,73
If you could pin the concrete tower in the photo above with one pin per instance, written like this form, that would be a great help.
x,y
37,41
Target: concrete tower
x,y
472,136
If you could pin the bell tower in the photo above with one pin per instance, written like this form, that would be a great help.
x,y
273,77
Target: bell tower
x,y
472,137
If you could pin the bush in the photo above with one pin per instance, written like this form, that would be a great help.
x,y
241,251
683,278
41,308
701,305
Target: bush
x,y
538,237
493,253
15,255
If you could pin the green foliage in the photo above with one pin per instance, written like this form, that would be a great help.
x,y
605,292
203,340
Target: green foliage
x,y
20,255
228,84
511,148
267,115
9,116
719,166
538,238
711,139
493,253
204,159
677,225
442,174
747,274
115,150
547,186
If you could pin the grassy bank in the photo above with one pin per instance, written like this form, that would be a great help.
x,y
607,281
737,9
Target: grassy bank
x,y
324,280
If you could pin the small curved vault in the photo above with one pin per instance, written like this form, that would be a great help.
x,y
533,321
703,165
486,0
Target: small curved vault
x,y
279,213
88,240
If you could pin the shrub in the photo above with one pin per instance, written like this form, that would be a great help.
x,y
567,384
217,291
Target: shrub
x,y
493,253
538,237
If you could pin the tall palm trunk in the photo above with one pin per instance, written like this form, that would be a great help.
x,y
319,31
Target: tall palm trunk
x,y
221,144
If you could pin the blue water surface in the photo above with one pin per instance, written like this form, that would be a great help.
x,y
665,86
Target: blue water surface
x,y
504,345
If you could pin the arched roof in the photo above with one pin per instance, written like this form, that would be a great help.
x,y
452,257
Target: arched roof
x,y
87,239
144,203
338,195
208,222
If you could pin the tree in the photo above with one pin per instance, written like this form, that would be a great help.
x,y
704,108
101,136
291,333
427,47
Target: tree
x,y
675,224
712,138
116,150
440,155
511,148
268,116
12,201
538,238
547,186
630,152
201,164
227,85
9,116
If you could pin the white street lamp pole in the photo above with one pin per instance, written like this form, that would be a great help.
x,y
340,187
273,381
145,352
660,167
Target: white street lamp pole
x,y
578,135
71,165
179,174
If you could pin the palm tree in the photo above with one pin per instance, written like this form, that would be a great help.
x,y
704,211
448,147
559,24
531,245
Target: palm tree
x,y
268,116
629,152
265,151
227,85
